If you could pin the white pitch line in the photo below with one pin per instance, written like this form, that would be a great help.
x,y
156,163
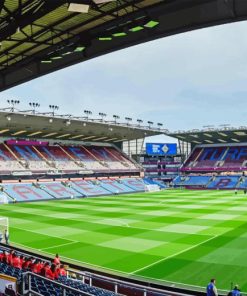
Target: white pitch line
x,y
174,255
114,271
60,245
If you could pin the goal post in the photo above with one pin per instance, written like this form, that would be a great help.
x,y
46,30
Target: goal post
x,y
4,225
152,188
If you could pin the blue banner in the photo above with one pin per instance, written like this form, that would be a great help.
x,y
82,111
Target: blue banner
x,y
161,149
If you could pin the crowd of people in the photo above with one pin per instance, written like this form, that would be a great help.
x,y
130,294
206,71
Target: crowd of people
x,y
51,270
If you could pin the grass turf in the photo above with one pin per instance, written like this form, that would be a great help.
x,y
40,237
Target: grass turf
x,y
176,235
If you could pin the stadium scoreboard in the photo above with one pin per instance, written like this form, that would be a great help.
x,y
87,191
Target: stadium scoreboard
x,y
161,149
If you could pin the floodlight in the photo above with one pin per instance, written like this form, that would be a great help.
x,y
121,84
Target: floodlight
x,y
151,24
78,7
46,62
119,34
136,29
56,57
105,38
116,117
79,48
102,1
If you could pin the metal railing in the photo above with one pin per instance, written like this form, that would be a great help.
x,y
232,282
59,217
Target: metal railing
x,y
28,289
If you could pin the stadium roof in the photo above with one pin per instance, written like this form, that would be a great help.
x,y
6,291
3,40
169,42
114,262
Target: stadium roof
x,y
213,135
53,127
40,36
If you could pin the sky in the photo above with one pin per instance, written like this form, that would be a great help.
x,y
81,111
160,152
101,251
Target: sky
x,y
184,81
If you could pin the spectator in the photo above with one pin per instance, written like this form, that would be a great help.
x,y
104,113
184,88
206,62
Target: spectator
x,y
9,290
211,288
35,266
26,264
16,261
56,260
51,272
44,269
10,256
22,259
61,271
5,257
40,266
6,236
235,291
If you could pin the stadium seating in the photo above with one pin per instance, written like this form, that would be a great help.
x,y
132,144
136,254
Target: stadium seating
x,y
87,188
136,184
58,190
25,192
209,182
48,288
115,186
149,181
8,161
216,158
46,158
70,189
224,182
192,180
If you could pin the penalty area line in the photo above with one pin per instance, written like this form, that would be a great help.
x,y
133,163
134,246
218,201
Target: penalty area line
x,y
174,255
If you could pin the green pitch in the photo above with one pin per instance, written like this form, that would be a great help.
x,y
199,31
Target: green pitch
x,y
176,235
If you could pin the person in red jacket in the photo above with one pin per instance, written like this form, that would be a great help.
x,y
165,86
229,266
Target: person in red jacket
x,y
51,272
44,269
61,271
16,261
35,266
5,258
1,256
56,260
21,260
26,264
10,256
40,266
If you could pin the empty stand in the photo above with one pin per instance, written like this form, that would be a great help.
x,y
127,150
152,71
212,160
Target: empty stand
x,y
224,182
134,183
87,188
58,190
71,159
115,186
216,158
25,192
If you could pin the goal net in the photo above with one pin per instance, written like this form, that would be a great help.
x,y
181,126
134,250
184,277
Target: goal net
x,y
4,226
3,199
152,188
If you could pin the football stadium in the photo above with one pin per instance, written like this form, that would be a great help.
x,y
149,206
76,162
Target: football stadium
x,y
87,206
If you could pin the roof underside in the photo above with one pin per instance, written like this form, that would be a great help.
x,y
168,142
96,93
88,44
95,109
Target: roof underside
x,y
32,31
213,136
46,127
